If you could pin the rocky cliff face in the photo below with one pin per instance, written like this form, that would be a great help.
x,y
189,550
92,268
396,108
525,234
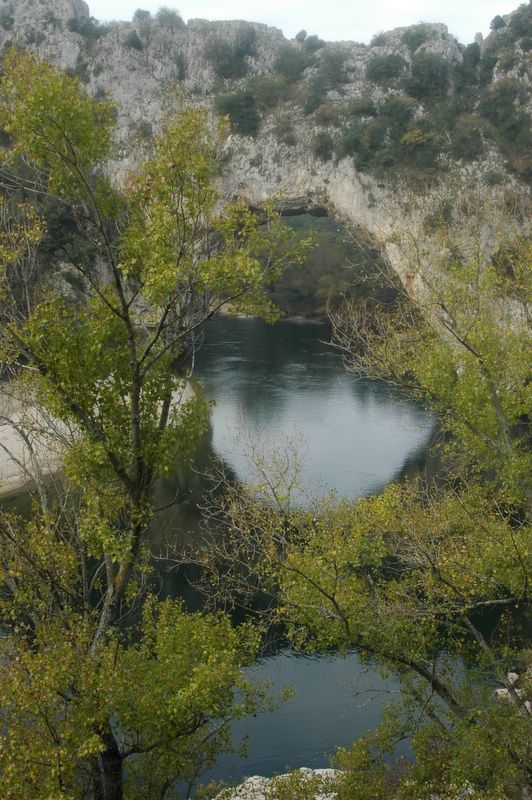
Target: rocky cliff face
x,y
355,129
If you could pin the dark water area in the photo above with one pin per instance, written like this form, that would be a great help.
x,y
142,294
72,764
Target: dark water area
x,y
354,436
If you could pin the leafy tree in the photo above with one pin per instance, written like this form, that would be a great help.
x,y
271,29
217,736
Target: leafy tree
x,y
95,708
428,582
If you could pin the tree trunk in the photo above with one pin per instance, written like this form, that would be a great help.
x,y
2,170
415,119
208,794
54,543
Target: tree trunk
x,y
108,781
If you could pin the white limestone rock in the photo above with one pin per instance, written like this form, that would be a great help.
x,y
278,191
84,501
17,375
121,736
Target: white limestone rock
x,y
259,788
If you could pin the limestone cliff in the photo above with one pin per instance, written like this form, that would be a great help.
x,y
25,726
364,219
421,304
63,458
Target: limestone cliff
x,y
353,128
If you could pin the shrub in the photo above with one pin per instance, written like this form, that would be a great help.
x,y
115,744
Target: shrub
x,y
98,69
487,65
511,124
383,69
328,114
291,62
330,75
241,110
323,146
363,107
397,111
332,68
363,140
229,58
313,43
284,132
133,41
466,74
169,18
181,66
87,27
498,105
420,148
51,19
315,93
379,40
268,91
34,37
471,55
7,18
466,139
81,70
493,177
140,15
497,23
429,76
520,22
507,59
416,35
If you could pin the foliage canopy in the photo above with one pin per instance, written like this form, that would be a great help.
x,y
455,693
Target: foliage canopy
x,y
95,706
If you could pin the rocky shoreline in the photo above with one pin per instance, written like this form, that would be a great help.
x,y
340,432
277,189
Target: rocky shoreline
x,y
320,781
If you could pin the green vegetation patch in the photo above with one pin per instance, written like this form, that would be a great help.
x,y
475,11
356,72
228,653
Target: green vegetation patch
x,y
229,58
242,112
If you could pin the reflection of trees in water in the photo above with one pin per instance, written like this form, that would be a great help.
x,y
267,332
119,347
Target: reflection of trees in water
x,y
424,462
258,362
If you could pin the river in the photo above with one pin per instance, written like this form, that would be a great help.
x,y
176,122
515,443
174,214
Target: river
x,y
355,436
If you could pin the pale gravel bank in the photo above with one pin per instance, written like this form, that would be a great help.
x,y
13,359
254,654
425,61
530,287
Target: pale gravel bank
x,y
32,442
259,788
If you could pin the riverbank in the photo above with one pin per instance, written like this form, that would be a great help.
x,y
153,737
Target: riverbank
x,y
319,781
32,442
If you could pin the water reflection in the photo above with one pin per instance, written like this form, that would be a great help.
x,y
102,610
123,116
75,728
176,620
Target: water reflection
x,y
268,383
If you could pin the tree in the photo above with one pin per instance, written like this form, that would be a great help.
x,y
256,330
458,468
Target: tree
x,y
384,69
497,23
429,76
241,110
430,582
291,62
95,708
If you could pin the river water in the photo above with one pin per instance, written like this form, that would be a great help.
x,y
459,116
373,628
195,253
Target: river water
x,y
355,436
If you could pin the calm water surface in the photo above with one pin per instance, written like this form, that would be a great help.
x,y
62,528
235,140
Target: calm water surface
x,y
267,383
